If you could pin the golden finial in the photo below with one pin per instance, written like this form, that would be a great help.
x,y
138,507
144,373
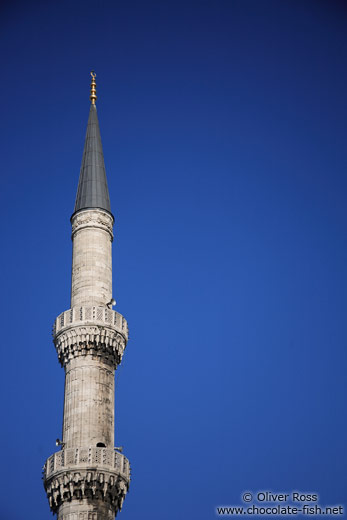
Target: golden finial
x,y
93,88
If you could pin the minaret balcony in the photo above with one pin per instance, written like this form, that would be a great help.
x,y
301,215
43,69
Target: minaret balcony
x,y
98,331
78,473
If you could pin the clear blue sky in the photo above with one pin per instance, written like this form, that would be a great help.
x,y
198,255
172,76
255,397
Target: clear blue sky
x,y
224,133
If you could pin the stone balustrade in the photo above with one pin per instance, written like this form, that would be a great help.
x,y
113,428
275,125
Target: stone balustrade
x,y
85,458
92,316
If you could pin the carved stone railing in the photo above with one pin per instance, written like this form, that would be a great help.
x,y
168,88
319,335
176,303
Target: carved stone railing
x,y
106,458
90,330
93,316
92,473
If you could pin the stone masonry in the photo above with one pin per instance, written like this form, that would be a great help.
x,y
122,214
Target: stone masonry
x,y
92,258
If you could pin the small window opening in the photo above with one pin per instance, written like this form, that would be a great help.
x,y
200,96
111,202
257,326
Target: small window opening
x,y
101,445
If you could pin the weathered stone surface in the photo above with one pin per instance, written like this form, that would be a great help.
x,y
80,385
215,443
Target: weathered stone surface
x,y
95,478
85,509
88,403
92,237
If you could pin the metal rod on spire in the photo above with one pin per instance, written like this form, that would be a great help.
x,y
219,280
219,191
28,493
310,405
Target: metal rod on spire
x,y
93,88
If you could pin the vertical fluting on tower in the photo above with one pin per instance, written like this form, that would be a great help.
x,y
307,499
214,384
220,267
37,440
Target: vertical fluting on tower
x,y
88,478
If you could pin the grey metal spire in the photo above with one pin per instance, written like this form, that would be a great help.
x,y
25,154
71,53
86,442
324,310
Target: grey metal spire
x,y
92,191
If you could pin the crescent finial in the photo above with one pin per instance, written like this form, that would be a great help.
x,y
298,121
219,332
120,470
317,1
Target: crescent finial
x,y
93,88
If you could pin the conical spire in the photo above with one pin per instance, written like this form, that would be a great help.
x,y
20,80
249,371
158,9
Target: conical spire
x,y
92,191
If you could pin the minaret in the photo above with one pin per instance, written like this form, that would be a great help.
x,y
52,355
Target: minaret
x,y
88,478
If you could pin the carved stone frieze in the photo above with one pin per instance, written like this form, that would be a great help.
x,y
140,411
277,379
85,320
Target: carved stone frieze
x,y
92,218
95,340
68,485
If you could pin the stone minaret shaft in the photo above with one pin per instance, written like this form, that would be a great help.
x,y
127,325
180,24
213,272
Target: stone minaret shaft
x,y
88,478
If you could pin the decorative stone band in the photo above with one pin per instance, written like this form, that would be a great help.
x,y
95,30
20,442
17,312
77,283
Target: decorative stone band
x,y
91,316
92,218
94,473
90,330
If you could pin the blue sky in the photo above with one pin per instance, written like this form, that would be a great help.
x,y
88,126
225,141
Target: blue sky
x,y
224,132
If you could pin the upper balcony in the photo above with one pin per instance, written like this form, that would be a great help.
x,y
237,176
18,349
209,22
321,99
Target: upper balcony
x,y
91,316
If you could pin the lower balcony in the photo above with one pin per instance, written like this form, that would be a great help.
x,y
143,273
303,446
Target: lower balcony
x,y
93,473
